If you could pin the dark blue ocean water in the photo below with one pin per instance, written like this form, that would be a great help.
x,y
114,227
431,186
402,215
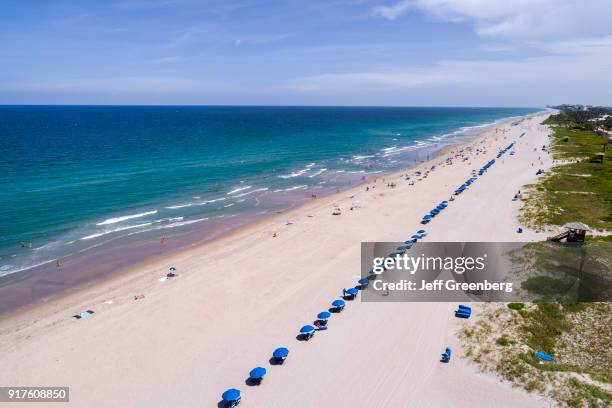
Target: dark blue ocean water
x,y
72,177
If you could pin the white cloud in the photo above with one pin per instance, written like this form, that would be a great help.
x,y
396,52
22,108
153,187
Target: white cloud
x,y
394,11
515,19
576,70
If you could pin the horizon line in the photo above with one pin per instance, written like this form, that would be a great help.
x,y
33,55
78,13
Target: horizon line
x,y
268,105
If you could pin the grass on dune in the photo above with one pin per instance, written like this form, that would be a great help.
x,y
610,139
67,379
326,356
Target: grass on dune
x,y
577,191
506,337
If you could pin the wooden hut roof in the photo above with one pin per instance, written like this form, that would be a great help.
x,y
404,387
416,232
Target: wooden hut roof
x,y
576,225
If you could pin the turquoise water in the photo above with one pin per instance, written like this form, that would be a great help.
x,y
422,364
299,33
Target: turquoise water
x,y
73,177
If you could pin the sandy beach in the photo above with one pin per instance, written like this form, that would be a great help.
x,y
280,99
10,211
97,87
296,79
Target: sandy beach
x,y
185,340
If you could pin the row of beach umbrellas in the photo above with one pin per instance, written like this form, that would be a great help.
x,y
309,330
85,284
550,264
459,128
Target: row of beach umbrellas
x,y
232,397
503,151
400,250
435,211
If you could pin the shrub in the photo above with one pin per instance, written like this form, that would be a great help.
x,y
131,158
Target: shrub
x,y
504,341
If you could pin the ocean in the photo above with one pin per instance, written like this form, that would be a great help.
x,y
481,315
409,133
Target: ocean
x,y
74,179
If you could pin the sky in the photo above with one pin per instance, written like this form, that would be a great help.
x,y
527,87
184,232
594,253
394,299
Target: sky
x,y
310,52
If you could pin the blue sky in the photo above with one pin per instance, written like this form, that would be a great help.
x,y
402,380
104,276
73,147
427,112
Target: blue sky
x,y
334,52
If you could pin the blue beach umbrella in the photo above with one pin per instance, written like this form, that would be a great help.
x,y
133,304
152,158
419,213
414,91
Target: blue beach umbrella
x,y
363,281
324,315
415,236
352,291
172,269
338,303
307,329
231,395
411,241
257,373
427,217
421,231
281,352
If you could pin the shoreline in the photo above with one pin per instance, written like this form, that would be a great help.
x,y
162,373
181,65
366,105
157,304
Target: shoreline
x,y
239,297
100,265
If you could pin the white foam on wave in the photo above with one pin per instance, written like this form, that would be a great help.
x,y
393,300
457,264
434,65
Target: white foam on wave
x,y
196,204
300,187
176,207
236,190
398,150
166,226
126,217
214,200
251,192
318,172
294,174
10,269
99,234
180,224
173,219
362,157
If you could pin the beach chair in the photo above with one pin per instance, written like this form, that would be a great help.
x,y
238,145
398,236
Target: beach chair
x,y
84,314
446,355
544,356
463,312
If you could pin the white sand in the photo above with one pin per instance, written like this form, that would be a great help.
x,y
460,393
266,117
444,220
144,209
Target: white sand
x,y
240,297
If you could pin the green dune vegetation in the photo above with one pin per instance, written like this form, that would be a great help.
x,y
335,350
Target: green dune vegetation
x,y
579,186
506,336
